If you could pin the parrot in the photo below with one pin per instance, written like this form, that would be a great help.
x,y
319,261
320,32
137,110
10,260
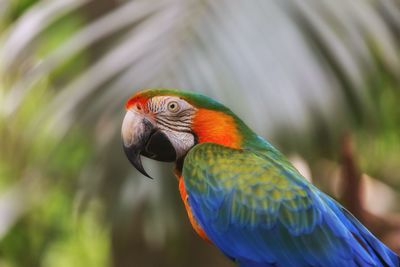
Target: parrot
x,y
240,193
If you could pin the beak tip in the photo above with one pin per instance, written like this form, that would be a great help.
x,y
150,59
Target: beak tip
x,y
133,156
142,171
148,176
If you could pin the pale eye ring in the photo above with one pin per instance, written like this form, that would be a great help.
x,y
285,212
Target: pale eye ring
x,y
173,106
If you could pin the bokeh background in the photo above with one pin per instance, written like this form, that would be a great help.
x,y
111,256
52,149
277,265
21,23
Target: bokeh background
x,y
320,79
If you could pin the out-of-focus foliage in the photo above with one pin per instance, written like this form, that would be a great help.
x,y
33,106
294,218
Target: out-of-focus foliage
x,y
301,73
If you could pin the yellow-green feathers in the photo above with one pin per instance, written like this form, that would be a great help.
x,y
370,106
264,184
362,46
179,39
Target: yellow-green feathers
x,y
260,211
259,192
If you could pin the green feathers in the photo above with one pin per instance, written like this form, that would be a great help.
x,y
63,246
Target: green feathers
x,y
260,211
254,190
194,98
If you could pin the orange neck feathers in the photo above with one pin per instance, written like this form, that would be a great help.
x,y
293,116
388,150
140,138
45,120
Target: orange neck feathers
x,y
216,127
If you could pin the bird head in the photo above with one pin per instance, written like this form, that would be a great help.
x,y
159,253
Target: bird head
x,y
164,124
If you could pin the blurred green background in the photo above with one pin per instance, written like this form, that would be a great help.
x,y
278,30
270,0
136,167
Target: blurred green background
x,y
319,79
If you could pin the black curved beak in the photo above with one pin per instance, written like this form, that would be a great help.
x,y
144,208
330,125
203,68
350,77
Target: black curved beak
x,y
141,137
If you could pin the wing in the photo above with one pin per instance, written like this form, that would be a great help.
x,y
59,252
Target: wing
x,y
261,212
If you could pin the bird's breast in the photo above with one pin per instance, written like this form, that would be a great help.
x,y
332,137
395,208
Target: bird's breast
x,y
185,197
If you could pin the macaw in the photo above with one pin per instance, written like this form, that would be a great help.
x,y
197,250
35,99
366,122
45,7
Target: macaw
x,y
241,194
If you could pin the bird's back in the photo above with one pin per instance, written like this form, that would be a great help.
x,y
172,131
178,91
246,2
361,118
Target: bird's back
x,y
261,212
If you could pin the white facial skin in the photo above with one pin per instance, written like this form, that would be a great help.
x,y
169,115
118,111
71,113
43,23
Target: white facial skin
x,y
173,117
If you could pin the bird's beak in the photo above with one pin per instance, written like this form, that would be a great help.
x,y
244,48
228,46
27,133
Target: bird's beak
x,y
141,137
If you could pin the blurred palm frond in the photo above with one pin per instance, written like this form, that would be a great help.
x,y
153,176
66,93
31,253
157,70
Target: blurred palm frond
x,y
305,68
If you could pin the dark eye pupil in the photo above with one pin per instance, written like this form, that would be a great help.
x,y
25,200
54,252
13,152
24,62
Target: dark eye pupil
x,y
172,106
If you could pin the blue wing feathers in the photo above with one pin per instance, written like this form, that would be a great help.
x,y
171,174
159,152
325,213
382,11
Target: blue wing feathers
x,y
290,223
376,249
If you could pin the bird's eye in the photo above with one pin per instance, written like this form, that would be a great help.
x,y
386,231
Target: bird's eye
x,y
173,106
